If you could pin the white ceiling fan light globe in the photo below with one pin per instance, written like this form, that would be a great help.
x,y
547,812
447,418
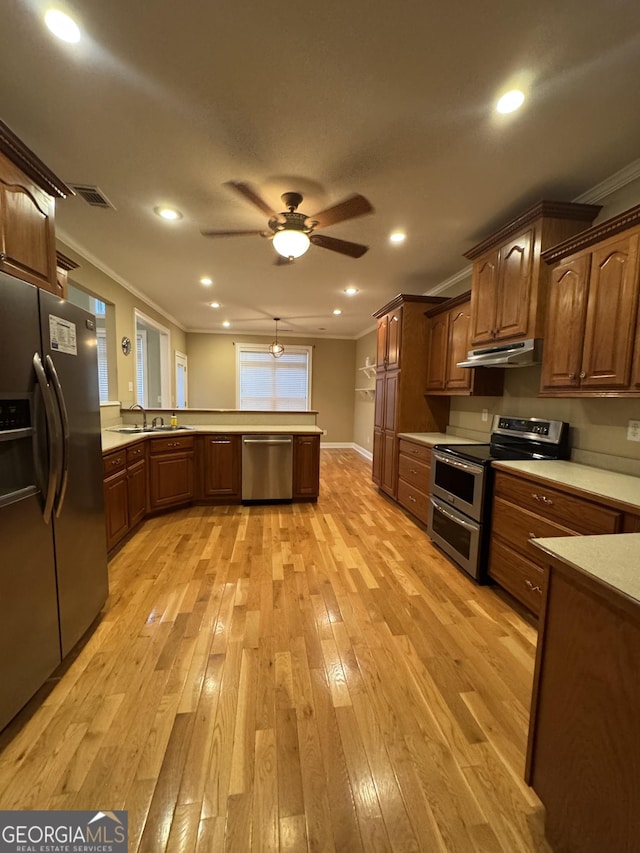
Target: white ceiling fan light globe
x,y
62,26
290,244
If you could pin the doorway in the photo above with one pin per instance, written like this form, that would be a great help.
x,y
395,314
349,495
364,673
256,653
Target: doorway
x,y
153,384
181,381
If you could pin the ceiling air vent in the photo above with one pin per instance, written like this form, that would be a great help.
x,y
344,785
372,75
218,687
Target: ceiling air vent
x,y
92,195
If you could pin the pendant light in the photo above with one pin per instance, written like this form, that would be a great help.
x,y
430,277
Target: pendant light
x,y
276,349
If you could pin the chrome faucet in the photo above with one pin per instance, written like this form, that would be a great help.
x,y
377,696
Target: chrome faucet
x,y
144,414
159,418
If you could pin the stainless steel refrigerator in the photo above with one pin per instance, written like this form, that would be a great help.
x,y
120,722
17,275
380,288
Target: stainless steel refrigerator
x,y
53,561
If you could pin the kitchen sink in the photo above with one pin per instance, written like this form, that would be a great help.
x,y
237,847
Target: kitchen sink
x,y
126,429
136,429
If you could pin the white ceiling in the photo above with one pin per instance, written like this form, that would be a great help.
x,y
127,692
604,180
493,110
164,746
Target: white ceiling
x,y
164,102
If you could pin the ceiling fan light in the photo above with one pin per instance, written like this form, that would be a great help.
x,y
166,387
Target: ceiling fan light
x,y
290,244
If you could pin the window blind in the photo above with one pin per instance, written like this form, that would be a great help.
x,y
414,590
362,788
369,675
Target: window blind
x,y
274,384
103,372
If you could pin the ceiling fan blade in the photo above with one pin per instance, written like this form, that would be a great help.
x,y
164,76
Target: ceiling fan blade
x,y
355,205
345,247
232,233
280,261
252,196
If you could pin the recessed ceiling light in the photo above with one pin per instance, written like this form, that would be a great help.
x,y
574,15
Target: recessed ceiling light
x,y
510,101
206,281
62,26
397,237
351,291
168,213
214,305
226,324
337,311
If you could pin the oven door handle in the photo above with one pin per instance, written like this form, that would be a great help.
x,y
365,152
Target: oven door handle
x,y
453,517
447,460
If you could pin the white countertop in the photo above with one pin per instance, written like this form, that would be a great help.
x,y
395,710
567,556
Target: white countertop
x,y
432,438
613,559
112,440
619,488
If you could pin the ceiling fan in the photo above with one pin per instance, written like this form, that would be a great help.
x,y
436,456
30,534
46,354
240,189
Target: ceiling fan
x,y
292,232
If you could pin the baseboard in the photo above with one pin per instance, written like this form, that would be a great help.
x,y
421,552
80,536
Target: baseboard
x,y
346,445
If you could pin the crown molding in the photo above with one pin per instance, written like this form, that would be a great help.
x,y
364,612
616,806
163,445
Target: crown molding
x,y
456,278
612,184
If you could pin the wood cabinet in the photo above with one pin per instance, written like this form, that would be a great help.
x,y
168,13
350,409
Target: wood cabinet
x,y
525,509
171,472
414,476
400,402
221,466
583,756
28,190
116,511
306,467
509,279
64,266
592,342
449,342
137,483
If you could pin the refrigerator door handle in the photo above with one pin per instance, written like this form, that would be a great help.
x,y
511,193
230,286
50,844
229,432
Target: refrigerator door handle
x,y
64,417
53,437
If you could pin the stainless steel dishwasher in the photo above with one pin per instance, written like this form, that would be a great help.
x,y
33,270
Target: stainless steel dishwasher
x,y
267,467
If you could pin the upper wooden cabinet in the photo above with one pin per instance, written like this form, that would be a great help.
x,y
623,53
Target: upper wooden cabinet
x,y
449,340
28,190
592,341
389,339
509,282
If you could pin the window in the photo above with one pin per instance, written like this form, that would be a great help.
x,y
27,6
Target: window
x,y
266,383
103,321
153,365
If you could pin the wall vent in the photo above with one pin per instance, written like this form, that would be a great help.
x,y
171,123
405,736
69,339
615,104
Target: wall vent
x,y
92,195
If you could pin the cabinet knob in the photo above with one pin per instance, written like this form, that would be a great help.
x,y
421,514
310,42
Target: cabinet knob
x,y
413,471
412,499
532,535
572,376
582,374
3,257
533,587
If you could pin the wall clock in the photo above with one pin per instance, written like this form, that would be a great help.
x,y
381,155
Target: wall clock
x,y
125,343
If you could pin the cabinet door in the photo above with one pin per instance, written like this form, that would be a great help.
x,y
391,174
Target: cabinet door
x,y
137,492
391,382
378,450
170,479
611,314
484,299
394,339
26,228
389,473
116,513
437,354
378,412
306,466
564,336
222,465
458,378
514,287
381,341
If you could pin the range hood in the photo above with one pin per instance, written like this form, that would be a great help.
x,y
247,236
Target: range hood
x,y
520,354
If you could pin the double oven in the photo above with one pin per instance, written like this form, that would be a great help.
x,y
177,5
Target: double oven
x,y
462,480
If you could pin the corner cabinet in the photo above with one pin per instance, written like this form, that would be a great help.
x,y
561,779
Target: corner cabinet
x,y
28,190
449,341
401,372
592,342
171,472
509,281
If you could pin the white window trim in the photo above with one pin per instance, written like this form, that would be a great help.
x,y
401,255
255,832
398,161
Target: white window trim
x,y
181,359
240,346
165,355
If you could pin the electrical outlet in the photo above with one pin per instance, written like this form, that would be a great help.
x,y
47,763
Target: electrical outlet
x,y
131,386
485,415
324,432
633,431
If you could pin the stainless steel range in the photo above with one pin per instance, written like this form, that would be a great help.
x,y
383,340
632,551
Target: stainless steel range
x,y
462,484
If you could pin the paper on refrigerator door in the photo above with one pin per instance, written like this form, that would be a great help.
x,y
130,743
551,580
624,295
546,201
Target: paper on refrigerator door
x,y
62,335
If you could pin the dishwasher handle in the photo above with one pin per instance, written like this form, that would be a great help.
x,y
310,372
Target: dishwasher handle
x,y
287,440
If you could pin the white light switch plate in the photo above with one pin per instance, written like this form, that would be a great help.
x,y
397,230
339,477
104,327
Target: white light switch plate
x,y
633,431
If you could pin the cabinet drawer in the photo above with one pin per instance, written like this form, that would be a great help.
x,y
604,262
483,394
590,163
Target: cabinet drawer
x,y
523,579
136,453
580,515
113,462
414,472
170,445
518,526
421,452
415,500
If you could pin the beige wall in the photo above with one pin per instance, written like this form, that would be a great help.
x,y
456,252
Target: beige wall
x,y
212,377
90,278
364,403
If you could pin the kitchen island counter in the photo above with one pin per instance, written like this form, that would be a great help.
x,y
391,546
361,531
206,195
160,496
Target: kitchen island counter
x,y
113,440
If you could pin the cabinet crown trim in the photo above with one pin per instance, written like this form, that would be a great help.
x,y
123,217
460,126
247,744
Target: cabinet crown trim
x,y
609,228
462,299
549,209
26,160
402,298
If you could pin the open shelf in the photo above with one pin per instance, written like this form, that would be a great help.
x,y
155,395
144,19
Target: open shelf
x,y
369,371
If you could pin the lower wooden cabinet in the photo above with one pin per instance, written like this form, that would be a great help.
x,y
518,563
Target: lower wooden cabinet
x,y
306,467
525,509
137,483
414,473
125,491
171,472
221,466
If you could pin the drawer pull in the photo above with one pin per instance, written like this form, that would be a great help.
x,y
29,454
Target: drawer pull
x,y
532,535
411,498
541,498
412,471
533,588
117,461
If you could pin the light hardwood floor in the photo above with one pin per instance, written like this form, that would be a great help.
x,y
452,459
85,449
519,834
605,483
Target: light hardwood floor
x,y
309,676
